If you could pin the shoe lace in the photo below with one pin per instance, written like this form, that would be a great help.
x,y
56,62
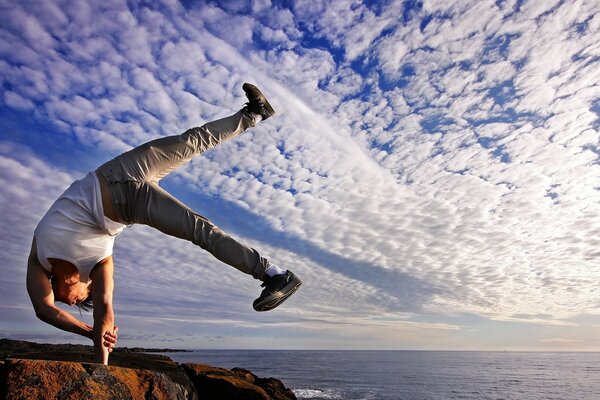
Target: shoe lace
x,y
268,282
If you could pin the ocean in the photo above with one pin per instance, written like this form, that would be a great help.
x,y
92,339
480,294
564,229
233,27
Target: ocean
x,y
386,375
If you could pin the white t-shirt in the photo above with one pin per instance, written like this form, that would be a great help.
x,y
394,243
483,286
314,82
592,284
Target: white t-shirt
x,y
75,229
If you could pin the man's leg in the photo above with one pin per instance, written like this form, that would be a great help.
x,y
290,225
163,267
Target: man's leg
x,y
137,198
154,160
155,207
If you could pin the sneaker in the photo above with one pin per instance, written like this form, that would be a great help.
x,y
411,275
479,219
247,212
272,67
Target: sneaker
x,y
257,102
277,289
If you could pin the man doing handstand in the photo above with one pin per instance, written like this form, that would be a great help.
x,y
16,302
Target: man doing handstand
x,y
71,254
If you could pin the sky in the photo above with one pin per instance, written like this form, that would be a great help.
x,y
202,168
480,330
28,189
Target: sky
x,y
432,173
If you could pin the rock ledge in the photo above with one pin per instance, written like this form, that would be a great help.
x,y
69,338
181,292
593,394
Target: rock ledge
x,y
38,371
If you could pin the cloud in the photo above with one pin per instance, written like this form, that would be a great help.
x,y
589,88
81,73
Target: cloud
x,y
20,172
442,163
560,341
15,100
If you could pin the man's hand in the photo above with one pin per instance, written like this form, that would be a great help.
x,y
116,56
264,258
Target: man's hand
x,y
110,339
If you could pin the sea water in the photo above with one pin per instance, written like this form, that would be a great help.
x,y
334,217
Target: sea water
x,y
383,375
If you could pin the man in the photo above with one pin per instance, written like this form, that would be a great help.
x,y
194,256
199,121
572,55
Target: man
x,y
71,254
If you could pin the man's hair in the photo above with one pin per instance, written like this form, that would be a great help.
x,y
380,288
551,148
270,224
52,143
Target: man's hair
x,y
85,305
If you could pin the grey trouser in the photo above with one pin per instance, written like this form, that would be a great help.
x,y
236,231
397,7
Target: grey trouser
x,y
133,183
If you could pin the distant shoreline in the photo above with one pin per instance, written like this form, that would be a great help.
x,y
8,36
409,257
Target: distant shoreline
x,y
10,345
150,350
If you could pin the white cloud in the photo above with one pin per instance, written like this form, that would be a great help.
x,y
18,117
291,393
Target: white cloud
x,y
17,101
466,183
560,341
21,172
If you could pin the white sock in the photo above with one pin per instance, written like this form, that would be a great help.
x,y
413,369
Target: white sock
x,y
273,270
257,117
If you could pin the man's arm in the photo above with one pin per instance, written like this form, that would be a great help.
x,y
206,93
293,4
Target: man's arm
x,y
42,299
102,297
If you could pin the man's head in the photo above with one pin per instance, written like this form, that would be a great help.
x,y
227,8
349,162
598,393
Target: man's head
x,y
72,293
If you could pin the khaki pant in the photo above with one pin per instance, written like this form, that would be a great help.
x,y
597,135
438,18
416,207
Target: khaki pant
x,y
133,185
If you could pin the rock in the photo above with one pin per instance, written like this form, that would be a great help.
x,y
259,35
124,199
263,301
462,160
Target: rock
x,y
274,387
19,349
38,371
60,380
220,383
2,381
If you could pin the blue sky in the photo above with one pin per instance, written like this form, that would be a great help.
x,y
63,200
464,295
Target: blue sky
x,y
432,173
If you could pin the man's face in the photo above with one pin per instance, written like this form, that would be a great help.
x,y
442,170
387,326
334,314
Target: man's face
x,y
71,294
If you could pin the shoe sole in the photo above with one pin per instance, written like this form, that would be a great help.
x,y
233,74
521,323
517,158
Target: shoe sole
x,y
250,88
276,299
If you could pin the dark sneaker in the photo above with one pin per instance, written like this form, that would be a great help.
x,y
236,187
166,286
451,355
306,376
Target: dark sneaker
x,y
257,102
277,289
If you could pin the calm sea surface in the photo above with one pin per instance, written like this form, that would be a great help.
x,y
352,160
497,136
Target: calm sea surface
x,y
382,375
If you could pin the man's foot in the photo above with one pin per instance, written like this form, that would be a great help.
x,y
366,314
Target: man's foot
x,y
276,290
257,102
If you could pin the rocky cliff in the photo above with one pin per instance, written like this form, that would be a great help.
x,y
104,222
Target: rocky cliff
x,y
42,371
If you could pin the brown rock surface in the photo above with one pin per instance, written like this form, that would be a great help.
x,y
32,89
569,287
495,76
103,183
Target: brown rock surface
x,y
44,371
41,379
2,381
20,349
215,383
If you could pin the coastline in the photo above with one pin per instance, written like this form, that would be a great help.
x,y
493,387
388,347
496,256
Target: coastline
x,y
20,346
67,371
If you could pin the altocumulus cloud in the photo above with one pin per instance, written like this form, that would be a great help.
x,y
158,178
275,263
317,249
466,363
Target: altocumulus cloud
x,y
431,164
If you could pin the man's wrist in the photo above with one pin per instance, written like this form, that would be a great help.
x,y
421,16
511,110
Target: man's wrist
x,y
101,356
90,335
89,332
